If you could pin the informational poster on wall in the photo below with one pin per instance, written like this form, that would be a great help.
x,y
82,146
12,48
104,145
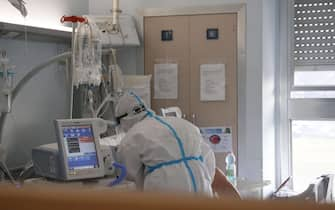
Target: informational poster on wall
x,y
212,82
220,139
140,85
166,81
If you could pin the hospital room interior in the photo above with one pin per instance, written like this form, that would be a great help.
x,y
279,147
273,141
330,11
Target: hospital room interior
x,y
229,100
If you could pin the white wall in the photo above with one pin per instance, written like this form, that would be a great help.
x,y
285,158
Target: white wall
x,y
43,99
283,143
270,69
258,76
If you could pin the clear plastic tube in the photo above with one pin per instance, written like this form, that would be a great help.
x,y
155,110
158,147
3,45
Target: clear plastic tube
x,y
122,176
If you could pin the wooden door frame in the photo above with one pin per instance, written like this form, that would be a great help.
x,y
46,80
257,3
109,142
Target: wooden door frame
x,y
240,10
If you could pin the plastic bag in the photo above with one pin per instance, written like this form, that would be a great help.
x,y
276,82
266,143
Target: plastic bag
x,y
87,54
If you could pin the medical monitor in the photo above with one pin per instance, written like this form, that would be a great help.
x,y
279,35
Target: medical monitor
x,y
79,148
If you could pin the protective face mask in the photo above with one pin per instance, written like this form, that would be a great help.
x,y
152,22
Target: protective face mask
x,y
129,121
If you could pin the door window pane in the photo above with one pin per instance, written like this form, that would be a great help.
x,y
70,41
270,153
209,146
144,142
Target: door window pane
x,y
313,146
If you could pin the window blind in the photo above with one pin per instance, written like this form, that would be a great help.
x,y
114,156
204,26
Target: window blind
x,y
314,32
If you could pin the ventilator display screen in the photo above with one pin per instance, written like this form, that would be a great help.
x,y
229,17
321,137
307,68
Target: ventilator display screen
x,y
80,147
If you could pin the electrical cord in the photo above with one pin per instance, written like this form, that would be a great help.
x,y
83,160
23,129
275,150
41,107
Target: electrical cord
x,y
3,171
7,172
107,99
26,172
106,94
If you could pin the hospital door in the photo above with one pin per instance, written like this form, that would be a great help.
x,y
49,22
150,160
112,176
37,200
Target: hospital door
x,y
190,47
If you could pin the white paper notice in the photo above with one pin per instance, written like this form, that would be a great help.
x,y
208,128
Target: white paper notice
x,y
212,82
166,81
140,85
220,139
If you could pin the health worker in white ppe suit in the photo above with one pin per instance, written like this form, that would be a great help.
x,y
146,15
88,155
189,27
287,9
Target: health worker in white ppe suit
x,y
163,153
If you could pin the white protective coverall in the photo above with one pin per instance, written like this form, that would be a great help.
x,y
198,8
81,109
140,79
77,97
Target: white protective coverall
x,y
163,154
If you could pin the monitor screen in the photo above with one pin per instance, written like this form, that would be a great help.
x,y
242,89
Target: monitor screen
x,y
80,147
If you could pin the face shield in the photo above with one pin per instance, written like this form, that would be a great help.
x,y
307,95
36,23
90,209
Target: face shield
x,y
128,112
